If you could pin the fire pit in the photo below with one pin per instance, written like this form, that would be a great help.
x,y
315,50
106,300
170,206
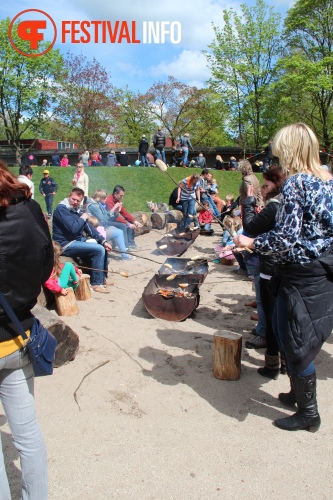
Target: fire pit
x,y
185,267
178,242
174,300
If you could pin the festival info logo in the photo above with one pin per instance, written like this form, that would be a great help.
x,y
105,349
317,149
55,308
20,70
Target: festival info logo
x,y
35,31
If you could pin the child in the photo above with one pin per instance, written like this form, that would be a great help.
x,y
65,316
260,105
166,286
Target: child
x,y
44,164
213,191
233,228
205,216
63,276
64,161
94,222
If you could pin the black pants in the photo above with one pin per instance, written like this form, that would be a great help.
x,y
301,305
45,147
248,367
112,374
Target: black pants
x,y
268,304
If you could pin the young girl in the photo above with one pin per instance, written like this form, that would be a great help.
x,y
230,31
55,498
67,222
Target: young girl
x,y
205,217
233,228
64,161
63,276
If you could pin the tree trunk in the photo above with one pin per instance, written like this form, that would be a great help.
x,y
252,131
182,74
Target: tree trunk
x,y
83,290
159,220
66,304
227,355
144,219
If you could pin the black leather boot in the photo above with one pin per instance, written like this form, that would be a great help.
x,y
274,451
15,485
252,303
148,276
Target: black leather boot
x,y
288,398
271,368
307,416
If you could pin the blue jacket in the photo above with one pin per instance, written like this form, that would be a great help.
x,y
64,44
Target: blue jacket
x,y
68,225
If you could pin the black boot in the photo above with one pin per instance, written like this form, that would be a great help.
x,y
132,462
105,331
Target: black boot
x,y
283,368
271,368
288,398
307,416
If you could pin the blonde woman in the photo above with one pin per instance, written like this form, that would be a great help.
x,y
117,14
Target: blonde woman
x,y
219,163
81,180
301,242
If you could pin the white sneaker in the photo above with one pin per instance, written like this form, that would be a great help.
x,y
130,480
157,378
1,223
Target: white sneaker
x,y
129,257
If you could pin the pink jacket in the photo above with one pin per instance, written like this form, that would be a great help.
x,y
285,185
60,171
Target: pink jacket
x,y
64,162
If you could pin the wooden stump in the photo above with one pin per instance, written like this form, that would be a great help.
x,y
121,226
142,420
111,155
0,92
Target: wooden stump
x,y
144,219
227,262
227,355
160,219
68,340
83,290
66,304
170,226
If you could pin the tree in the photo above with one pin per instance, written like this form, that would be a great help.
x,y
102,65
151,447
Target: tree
x,y
132,117
86,100
243,63
180,108
307,79
26,88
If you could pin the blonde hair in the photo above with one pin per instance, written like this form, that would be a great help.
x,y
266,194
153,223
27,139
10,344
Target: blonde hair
x,y
57,251
297,148
98,195
219,158
233,224
245,167
230,197
93,221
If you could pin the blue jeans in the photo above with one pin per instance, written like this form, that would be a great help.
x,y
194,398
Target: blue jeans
x,y
94,255
261,326
185,156
189,209
128,232
17,397
118,235
49,203
280,325
144,160
159,153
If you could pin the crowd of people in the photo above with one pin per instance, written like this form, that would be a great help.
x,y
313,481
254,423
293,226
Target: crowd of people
x,y
281,235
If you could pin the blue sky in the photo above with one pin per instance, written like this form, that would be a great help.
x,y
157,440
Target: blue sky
x,y
140,65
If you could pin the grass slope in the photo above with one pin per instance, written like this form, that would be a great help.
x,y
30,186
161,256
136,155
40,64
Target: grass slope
x,y
141,184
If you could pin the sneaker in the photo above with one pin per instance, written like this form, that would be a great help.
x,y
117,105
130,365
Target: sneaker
x,y
133,247
99,289
49,216
128,257
257,343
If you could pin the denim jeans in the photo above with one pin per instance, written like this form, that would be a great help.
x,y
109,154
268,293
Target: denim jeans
x,y
185,156
128,232
49,203
117,234
144,160
159,153
280,326
205,197
17,397
189,209
94,255
261,326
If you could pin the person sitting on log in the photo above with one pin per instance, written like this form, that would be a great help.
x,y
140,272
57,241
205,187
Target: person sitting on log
x,y
69,224
63,276
124,220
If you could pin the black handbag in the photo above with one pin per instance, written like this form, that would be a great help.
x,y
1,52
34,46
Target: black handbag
x,y
41,344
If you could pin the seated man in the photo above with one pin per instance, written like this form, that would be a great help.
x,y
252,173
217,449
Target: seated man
x,y
204,190
199,161
124,221
69,226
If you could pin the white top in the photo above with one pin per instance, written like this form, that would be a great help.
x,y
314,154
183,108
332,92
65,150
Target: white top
x,y
25,180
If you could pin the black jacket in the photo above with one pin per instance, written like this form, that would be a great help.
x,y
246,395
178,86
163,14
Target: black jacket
x,y
255,224
123,160
309,291
26,256
159,140
48,185
143,146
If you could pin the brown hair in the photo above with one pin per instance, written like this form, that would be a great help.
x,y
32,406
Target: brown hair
x,y
276,175
11,190
233,224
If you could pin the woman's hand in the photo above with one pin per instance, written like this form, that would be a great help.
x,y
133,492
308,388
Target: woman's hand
x,y
243,241
64,291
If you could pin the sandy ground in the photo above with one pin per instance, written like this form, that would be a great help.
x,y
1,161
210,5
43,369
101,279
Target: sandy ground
x,y
152,422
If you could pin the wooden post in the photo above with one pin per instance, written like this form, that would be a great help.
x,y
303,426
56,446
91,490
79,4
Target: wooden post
x,y
66,304
227,355
170,226
83,290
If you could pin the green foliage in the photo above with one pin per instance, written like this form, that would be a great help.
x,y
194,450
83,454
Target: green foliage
x,y
306,84
26,87
141,183
242,60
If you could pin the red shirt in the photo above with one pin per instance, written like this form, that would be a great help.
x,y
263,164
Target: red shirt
x,y
205,216
124,216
